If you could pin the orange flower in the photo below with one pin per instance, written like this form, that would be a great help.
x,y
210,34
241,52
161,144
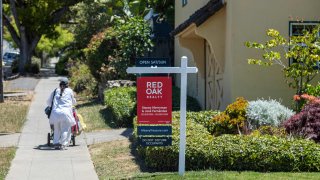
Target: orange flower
x,y
308,97
296,98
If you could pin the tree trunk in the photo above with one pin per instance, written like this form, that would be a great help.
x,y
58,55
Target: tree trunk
x,y
23,51
27,47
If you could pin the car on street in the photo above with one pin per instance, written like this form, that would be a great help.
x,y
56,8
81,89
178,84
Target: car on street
x,y
9,57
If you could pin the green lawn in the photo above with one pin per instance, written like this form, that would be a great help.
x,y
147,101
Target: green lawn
x,y
117,160
225,175
114,160
94,115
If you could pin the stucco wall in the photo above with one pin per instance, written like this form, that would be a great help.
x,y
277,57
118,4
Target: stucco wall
x,y
195,81
249,20
184,12
227,30
191,43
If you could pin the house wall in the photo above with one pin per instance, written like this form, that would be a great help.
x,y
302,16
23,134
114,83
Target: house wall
x,y
191,43
248,20
196,82
226,31
214,32
184,12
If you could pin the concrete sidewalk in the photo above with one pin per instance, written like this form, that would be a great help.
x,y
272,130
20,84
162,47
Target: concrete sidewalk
x,y
35,160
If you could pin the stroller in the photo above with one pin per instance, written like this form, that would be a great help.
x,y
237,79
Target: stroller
x,y
75,130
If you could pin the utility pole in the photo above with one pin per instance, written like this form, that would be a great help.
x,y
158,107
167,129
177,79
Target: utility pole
x,y
1,49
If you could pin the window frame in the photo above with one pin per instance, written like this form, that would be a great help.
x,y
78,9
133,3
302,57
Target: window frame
x,y
292,23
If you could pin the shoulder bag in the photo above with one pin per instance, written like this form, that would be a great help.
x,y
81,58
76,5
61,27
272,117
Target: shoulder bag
x,y
48,109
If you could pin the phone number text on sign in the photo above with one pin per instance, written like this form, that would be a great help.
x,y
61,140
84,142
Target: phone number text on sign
x,y
154,100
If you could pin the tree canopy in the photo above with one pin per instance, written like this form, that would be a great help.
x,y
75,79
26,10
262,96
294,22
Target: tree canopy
x,y
28,20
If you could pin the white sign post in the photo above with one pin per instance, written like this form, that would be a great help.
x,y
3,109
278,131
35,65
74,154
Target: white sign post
x,y
183,70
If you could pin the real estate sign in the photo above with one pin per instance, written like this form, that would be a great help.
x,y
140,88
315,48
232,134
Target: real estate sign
x,y
148,62
183,70
154,96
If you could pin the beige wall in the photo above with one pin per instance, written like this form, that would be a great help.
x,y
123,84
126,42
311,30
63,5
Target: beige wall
x,y
195,81
214,32
184,12
249,19
226,31
191,43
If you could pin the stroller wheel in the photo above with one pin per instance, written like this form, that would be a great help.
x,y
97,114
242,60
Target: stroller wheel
x,y
48,139
73,138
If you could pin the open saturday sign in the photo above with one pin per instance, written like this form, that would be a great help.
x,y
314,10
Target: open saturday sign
x,y
154,104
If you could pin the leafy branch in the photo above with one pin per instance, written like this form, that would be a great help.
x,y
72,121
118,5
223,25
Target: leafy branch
x,y
304,50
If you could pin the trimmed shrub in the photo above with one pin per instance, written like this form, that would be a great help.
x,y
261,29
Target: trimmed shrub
x,y
122,104
232,152
203,117
263,153
232,120
305,124
167,158
192,103
266,113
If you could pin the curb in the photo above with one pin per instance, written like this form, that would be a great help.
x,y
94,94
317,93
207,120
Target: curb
x,y
13,77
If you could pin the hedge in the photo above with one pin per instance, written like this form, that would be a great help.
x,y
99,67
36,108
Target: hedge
x,y
166,158
233,152
121,102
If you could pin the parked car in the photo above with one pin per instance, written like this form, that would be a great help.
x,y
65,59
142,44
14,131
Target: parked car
x,y
9,57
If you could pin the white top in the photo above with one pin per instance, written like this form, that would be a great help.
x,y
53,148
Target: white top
x,y
62,106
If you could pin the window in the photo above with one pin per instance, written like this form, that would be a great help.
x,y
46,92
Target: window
x,y
297,28
184,2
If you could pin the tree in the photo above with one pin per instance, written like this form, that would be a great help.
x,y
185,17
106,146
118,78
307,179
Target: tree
x,y
165,8
90,17
31,20
304,50
49,47
111,51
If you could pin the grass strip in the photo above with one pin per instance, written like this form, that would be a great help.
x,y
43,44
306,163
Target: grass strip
x,y
94,115
114,160
6,156
230,175
13,115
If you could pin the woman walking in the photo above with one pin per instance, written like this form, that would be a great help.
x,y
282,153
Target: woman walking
x,y
61,117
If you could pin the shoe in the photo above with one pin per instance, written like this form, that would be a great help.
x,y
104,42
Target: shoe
x,y
62,147
57,146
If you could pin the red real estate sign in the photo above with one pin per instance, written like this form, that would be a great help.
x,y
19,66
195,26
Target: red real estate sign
x,y
154,96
